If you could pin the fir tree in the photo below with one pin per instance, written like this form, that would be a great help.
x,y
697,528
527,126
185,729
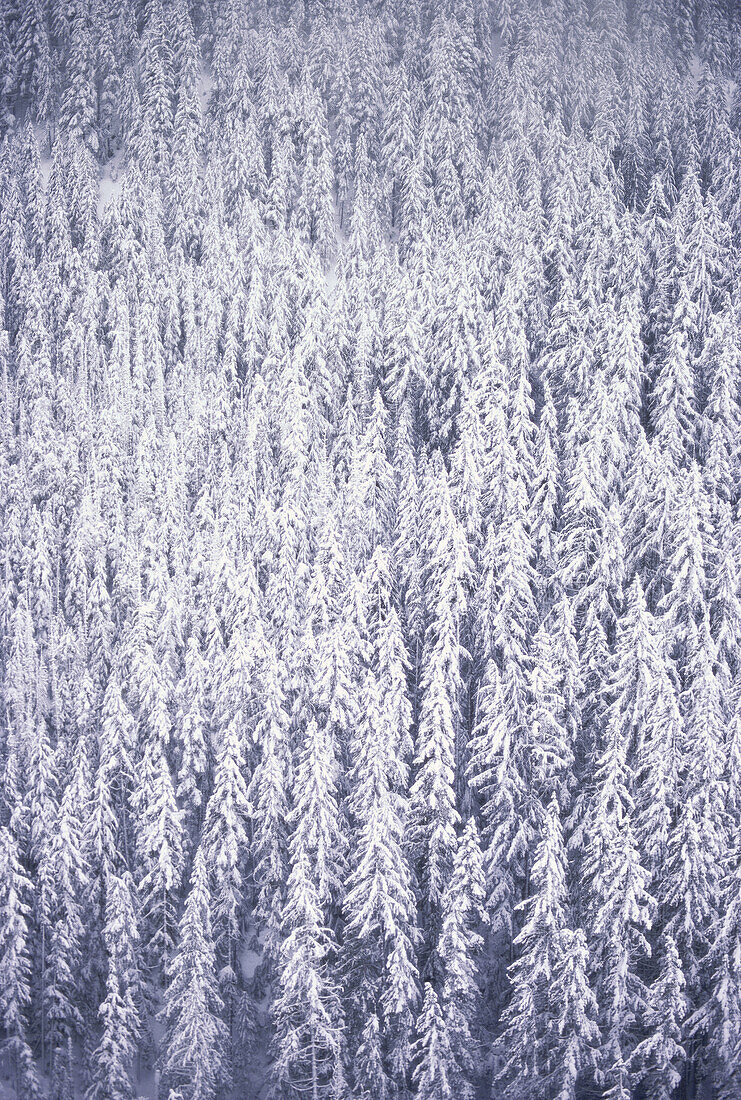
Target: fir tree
x,y
433,811
195,1039
120,1011
380,918
657,1060
434,1056
458,948
15,965
308,1055
550,1031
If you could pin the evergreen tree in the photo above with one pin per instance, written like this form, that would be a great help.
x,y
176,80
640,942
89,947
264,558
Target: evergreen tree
x,y
433,811
674,415
192,730
159,850
225,846
434,1056
698,837
550,1031
657,1060
120,1011
195,1039
619,910
380,917
15,965
268,795
460,943
78,108
307,1010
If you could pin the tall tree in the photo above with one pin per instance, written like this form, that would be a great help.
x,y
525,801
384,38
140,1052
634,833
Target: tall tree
x,y
434,815
308,1048
196,1038
15,965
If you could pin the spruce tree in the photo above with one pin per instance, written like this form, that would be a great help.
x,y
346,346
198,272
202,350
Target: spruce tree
x,y
15,965
195,1043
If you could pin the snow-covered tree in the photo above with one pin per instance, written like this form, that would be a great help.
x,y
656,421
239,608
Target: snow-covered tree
x,y
15,965
657,1060
433,1053
380,906
308,1045
370,552
458,949
195,1042
550,1032
433,812
120,1011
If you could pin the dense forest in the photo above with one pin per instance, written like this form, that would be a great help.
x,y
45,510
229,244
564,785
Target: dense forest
x,y
370,549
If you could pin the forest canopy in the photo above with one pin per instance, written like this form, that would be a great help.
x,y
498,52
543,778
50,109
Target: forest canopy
x,y
370,608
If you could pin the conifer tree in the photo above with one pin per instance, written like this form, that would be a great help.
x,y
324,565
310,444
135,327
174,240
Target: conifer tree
x,y
78,108
191,724
308,1048
458,948
547,1042
268,795
658,1059
698,837
380,917
674,413
159,850
195,1039
225,846
68,874
15,964
120,1011
434,815
619,910
430,1074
